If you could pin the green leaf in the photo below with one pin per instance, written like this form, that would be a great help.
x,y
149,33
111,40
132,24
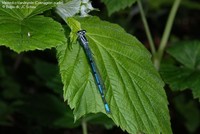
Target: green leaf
x,y
187,74
40,8
75,26
23,9
189,111
11,88
21,32
187,53
47,71
134,89
116,5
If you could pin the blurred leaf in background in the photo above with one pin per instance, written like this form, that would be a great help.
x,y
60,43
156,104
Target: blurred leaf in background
x,y
10,98
185,74
189,112
48,74
116,5
158,4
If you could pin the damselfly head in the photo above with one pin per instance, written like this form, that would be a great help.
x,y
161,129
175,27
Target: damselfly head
x,y
82,38
81,32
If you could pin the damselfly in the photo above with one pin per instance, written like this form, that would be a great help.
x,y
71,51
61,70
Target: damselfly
x,y
84,43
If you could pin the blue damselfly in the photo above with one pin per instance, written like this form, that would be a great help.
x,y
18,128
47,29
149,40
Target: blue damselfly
x,y
84,43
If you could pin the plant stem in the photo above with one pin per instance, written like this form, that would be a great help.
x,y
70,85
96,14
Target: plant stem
x,y
158,56
84,126
147,30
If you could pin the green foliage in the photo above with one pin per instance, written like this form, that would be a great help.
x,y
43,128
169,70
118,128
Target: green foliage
x,y
49,74
44,109
30,8
10,90
189,111
21,30
158,4
47,112
187,74
116,5
191,4
134,89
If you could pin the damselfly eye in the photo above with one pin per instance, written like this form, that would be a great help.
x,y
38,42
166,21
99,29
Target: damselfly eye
x,y
84,31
